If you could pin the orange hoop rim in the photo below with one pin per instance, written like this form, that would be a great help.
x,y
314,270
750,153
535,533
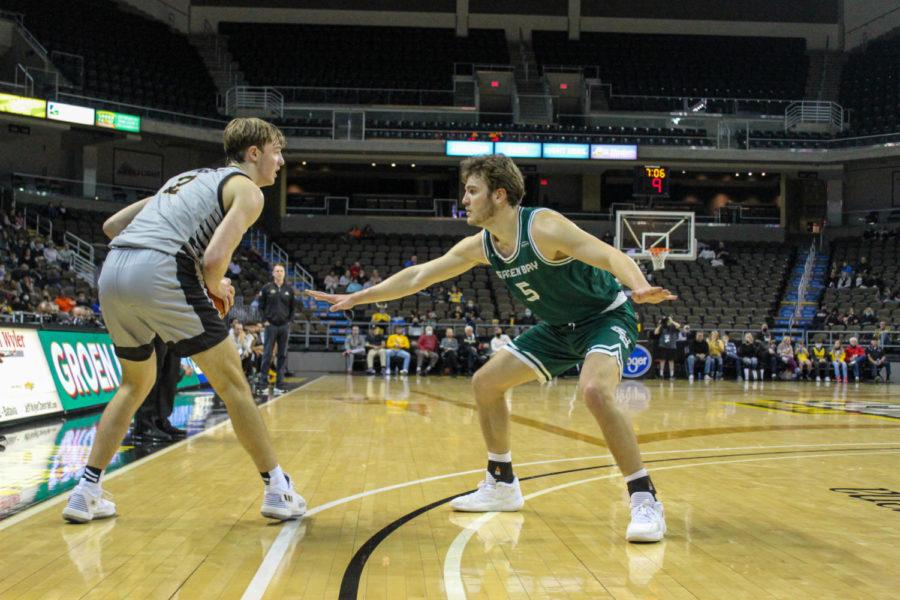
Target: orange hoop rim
x,y
658,251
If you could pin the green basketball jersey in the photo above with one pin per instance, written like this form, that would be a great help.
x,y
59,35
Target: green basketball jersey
x,y
558,291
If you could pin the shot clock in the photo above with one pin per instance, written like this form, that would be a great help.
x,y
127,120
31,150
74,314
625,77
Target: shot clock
x,y
651,181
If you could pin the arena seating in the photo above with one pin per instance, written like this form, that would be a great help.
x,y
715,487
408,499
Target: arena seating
x,y
335,56
127,58
738,296
695,66
884,259
870,88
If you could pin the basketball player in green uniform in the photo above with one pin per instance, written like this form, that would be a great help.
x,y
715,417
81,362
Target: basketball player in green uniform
x,y
569,279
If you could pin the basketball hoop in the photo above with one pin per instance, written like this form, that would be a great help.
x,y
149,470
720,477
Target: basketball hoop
x,y
658,258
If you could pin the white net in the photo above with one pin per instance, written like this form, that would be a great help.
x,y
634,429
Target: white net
x,y
658,258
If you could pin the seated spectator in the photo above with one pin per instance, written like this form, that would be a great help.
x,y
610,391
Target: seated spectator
x,y
868,316
722,253
528,318
416,324
852,319
51,254
331,282
375,345
353,286
374,278
748,351
730,355
878,361
455,297
837,362
413,261
698,350
820,317
768,357
844,281
499,340
355,233
470,351
820,361
355,270
381,315
426,350
854,355
398,345
440,296
472,309
47,307
882,333
368,233
834,274
803,362
343,279
64,302
354,346
834,318
66,257
785,353
764,334
243,341
714,364
449,350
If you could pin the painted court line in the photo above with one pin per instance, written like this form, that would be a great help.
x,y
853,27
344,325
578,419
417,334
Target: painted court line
x,y
263,577
453,582
29,512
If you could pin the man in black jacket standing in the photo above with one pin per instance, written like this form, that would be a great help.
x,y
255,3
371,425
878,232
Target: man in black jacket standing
x,y
276,303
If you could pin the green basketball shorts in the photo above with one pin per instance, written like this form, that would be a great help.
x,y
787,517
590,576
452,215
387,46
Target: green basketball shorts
x,y
553,349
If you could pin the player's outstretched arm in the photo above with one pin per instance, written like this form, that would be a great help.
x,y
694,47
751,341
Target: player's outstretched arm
x,y
114,225
460,258
557,237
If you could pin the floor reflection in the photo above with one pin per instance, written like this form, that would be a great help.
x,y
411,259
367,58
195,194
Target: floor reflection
x,y
45,459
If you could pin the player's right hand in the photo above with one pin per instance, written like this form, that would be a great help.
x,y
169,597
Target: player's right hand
x,y
225,291
337,301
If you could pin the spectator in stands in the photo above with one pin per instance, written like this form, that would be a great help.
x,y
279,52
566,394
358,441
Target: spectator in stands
x,y
528,318
64,302
413,261
698,350
846,268
882,333
768,357
820,361
685,334
398,345
469,351
499,340
355,270
801,353
426,350
375,346
844,281
834,274
354,285
748,351
764,333
667,332
472,309
714,364
837,362
380,315
855,355
730,355
243,341
66,257
354,346
9,287
886,296
416,324
339,267
47,307
868,316
852,319
878,361
722,253
331,282
821,316
449,350
440,296
785,353
374,278
834,318
355,233
343,279
455,297
51,254
368,233
234,268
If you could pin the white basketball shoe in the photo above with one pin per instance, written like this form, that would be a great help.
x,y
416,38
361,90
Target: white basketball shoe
x,y
648,522
492,495
85,504
283,502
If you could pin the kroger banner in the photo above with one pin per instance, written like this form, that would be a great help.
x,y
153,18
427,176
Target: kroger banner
x,y
638,363
26,389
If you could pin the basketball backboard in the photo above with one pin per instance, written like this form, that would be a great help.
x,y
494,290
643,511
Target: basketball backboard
x,y
637,231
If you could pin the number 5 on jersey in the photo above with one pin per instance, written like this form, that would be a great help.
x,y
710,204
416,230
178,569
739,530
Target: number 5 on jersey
x,y
530,294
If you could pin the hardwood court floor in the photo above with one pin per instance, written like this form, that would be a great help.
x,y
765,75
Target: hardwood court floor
x,y
779,490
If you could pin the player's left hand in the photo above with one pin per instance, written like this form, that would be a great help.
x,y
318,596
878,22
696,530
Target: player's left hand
x,y
652,295
337,301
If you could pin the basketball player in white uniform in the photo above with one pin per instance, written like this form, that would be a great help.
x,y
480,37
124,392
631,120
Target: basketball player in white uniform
x,y
164,251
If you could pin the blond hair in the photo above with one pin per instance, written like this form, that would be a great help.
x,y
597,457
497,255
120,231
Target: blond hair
x,y
499,171
240,134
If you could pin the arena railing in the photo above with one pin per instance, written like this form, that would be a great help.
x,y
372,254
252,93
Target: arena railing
x,y
143,111
294,95
888,217
39,185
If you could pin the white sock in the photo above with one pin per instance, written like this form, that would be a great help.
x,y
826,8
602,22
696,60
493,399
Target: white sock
x,y
276,477
636,475
506,458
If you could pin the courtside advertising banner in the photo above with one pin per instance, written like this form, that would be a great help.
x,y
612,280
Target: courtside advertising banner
x,y
84,367
26,387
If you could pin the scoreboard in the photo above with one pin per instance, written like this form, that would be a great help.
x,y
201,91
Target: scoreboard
x,y
652,181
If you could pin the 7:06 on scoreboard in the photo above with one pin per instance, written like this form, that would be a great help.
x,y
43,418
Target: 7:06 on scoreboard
x,y
651,180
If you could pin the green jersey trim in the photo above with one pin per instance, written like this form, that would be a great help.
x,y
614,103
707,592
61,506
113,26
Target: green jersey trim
x,y
489,239
615,350
537,251
531,360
